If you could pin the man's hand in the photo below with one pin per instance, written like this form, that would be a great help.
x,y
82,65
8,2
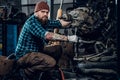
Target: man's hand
x,y
65,23
66,17
73,38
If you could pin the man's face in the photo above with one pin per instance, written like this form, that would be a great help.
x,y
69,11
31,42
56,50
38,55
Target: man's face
x,y
43,15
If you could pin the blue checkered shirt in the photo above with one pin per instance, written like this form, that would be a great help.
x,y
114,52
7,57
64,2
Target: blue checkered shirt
x,y
32,36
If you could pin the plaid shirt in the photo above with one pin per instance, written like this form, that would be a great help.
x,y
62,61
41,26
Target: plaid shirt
x,y
32,36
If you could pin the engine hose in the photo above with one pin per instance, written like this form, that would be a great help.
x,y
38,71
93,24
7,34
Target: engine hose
x,y
103,58
99,54
88,65
96,57
98,71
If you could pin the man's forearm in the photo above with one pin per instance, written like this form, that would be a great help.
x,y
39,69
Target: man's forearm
x,y
55,36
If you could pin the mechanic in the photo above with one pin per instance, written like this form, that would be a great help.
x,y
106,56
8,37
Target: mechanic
x,y
34,36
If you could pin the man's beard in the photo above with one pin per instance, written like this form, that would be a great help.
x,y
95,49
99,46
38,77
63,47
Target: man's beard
x,y
44,21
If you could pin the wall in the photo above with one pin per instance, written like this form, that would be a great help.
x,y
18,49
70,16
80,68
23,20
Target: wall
x,y
28,6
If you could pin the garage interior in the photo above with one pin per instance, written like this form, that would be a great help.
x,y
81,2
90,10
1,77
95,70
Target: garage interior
x,y
95,57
